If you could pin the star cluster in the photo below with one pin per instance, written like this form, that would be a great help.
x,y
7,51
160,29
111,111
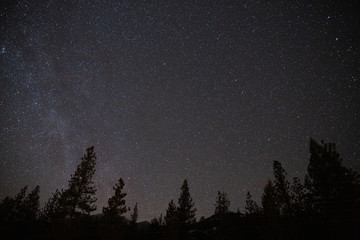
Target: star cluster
x,y
211,91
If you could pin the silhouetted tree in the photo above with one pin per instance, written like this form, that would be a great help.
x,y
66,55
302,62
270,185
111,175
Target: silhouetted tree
x,y
80,195
21,208
238,211
222,204
251,207
298,197
171,214
310,198
171,222
186,211
30,205
79,198
135,214
334,187
52,208
7,209
282,189
10,208
157,222
116,204
268,200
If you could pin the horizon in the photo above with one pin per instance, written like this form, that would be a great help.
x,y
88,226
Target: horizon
x,y
232,208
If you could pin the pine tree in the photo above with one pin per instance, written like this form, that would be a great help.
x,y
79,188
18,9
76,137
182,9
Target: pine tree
x,y
268,200
238,211
18,212
333,186
7,210
135,214
79,197
298,197
11,209
282,189
30,205
222,204
157,222
310,199
186,210
171,214
52,209
251,207
116,204
24,207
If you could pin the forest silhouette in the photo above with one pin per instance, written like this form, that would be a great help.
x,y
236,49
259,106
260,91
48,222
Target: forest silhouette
x,y
325,204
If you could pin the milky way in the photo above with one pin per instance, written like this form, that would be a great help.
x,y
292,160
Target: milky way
x,y
209,91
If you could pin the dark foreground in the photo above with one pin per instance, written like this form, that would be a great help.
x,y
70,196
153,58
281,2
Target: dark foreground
x,y
230,226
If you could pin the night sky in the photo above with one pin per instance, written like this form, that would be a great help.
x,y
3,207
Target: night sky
x,y
209,91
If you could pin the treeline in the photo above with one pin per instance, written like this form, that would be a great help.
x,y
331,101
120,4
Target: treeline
x,y
326,203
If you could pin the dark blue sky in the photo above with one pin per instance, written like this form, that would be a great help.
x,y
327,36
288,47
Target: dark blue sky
x,y
211,91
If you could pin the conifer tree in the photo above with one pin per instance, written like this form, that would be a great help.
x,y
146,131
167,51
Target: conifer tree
x,y
298,197
80,195
116,204
332,185
11,208
282,189
186,211
268,200
135,214
30,205
7,209
79,198
251,207
24,207
18,203
52,209
157,222
171,214
222,204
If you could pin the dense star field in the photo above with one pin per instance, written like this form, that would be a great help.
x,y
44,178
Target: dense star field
x,y
210,91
